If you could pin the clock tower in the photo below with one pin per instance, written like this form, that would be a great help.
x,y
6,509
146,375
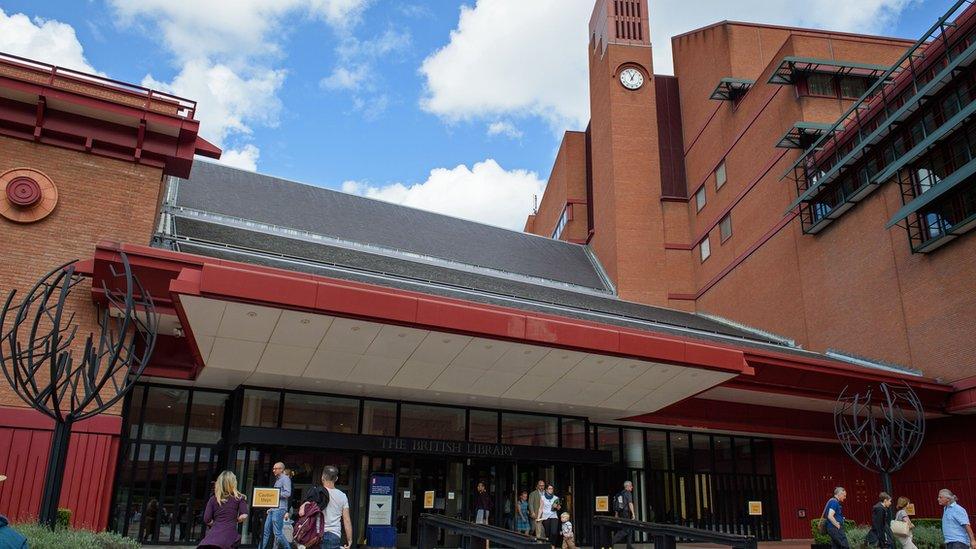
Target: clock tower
x,y
628,216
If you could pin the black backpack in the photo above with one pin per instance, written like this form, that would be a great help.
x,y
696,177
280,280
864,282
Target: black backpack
x,y
618,503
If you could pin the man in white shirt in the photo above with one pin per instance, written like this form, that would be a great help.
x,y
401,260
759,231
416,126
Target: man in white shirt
x,y
336,512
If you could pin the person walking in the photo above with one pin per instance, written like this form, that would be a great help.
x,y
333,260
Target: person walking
x,y
483,504
548,516
880,535
535,501
522,524
337,519
275,520
902,516
956,531
225,509
569,538
833,516
623,507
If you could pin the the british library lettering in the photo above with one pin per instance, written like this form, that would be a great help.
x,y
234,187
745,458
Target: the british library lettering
x,y
474,449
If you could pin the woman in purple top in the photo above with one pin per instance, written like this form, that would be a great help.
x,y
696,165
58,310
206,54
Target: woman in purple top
x,y
226,509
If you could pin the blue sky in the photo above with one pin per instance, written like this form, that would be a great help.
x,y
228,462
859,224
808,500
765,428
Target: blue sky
x,y
451,106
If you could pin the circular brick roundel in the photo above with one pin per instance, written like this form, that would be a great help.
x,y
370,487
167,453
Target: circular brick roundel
x,y
23,192
26,195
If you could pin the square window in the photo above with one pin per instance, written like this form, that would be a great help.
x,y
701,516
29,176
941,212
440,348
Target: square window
x,y
700,198
720,175
821,84
725,227
853,87
705,248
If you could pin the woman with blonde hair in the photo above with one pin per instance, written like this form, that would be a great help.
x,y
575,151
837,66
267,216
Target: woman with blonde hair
x,y
902,516
225,510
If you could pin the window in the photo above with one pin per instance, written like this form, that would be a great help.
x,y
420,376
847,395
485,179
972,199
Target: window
x,y
852,87
438,422
529,430
657,450
700,198
482,426
608,438
719,176
379,418
821,84
206,417
705,249
260,408
574,433
563,220
634,448
165,414
725,226
320,413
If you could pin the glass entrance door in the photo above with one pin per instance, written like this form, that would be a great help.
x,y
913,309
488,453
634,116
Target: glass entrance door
x,y
427,486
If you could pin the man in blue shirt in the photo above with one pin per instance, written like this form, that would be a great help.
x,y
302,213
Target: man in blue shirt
x,y
275,520
833,516
956,530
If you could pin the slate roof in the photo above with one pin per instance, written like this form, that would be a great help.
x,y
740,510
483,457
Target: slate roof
x,y
225,213
271,200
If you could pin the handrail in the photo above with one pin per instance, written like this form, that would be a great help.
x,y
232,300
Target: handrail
x,y
883,80
665,536
185,108
476,534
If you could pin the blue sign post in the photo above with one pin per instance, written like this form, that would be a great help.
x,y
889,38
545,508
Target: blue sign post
x,y
379,515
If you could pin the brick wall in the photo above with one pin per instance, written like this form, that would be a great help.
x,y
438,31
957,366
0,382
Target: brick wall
x,y
99,199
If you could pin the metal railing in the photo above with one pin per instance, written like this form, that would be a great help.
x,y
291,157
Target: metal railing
x,y
868,117
666,536
91,85
473,535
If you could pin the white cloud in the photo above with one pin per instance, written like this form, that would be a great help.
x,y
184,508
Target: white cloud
x,y
356,72
231,28
228,103
486,192
42,40
512,58
506,128
245,158
228,56
345,78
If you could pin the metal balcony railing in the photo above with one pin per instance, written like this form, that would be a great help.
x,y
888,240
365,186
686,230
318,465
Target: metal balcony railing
x,y
98,87
923,70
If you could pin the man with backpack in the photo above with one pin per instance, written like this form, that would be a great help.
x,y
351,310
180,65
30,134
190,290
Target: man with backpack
x,y
623,507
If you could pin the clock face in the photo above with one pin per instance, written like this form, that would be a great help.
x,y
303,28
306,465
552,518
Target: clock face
x,y
631,78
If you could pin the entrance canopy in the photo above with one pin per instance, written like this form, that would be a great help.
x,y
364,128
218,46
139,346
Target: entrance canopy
x,y
229,323
243,324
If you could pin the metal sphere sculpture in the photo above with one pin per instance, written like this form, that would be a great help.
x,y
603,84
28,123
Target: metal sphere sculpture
x,y
881,428
38,356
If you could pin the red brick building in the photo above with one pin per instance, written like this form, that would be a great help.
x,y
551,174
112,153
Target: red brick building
x,y
304,325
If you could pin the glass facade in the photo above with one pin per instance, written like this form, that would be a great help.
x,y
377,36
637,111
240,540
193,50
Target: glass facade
x,y
178,439
170,455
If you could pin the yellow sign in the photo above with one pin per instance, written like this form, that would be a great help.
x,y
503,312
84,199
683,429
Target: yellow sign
x,y
265,497
755,508
910,509
429,499
603,504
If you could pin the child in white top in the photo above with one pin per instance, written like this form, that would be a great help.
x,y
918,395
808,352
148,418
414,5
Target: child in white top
x,y
569,540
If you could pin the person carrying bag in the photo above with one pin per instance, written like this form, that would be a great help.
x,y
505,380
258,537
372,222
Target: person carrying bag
x,y
902,525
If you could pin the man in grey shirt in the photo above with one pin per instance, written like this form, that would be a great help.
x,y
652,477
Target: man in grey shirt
x,y
274,522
